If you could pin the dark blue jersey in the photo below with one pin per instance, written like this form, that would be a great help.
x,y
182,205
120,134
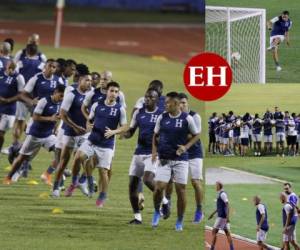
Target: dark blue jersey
x,y
280,27
195,151
29,67
265,224
221,205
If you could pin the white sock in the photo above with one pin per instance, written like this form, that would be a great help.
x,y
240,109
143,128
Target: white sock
x,y
138,216
165,200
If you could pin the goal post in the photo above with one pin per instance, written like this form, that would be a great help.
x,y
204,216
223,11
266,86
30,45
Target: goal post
x,y
60,4
239,35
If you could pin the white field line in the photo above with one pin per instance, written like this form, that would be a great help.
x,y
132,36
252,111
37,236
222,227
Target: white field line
x,y
239,237
257,175
115,25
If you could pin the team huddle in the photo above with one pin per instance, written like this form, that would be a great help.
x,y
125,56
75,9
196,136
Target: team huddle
x,y
231,134
290,209
81,118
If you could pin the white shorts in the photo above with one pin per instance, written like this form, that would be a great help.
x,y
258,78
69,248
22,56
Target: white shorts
x,y
281,37
290,235
22,111
217,138
230,133
59,138
261,235
225,141
140,164
268,138
6,122
221,224
177,169
74,141
236,140
195,168
103,155
256,137
280,137
32,144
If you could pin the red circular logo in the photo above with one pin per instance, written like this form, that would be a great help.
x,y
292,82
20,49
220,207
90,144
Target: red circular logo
x,y
207,76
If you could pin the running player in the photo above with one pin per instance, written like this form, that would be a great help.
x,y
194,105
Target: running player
x,y
280,27
40,131
75,129
11,85
195,160
171,143
262,227
141,165
289,223
107,119
256,133
222,220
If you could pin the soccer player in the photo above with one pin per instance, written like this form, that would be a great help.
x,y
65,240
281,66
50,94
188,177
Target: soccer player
x,y
75,129
262,227
195,160
289,223
291,136
280,27
107,119
171,143
245,129
222,220
141,165
5,50
280,133
236,127
11,85
267,130
256,134
40,131
212,133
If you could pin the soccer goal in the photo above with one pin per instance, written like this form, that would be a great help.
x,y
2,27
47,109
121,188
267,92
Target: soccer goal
x,y
239,35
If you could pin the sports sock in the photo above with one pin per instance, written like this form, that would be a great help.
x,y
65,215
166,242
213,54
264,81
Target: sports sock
x,y
165,200
82,178
231,247
55,185
102,196
50,170
212,248
90,180
180,218
199,208
74,180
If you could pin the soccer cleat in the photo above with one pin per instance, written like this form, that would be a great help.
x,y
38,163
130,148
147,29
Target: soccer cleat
x,y
84,188
55,193
178,226
70,190
278,68
155,219
166,211
16,176
135,222
46,178
7,181
100,203
198,217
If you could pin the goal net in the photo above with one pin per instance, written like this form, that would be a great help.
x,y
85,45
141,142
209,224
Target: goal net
x,y
238,34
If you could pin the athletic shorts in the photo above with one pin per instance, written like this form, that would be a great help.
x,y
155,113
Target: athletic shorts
x,y
196,168
179,170
225,140
32,144
103,155
74,141
59,138
261,235
236,140
280,137
221,224
6,122
218,138
230,133
256,137
290,234
22,112
281,37
140,164
245,141
212,138
291,139
268,138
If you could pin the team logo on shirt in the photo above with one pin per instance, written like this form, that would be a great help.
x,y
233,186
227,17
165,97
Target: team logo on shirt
x,y
113,111
153,118
178,123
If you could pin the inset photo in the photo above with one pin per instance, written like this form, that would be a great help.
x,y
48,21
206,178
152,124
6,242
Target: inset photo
x,y
259,39
252,168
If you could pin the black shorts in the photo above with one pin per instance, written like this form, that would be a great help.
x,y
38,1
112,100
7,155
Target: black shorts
x,y
212,137
245,141
291,140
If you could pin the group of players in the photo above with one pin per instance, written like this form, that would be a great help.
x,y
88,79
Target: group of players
x,y
231,134
290,209
82,118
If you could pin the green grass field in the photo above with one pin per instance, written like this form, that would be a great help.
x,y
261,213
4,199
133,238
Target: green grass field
x,y
289,73
26,220
247,98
